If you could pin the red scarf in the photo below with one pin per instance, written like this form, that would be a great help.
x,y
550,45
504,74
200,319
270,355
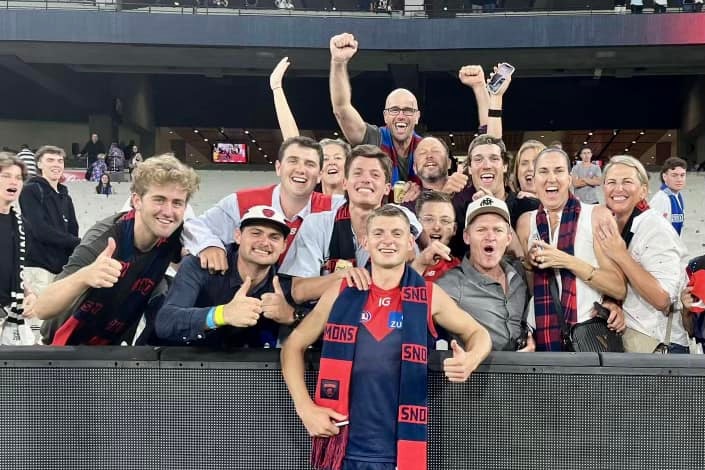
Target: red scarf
x,y
548,324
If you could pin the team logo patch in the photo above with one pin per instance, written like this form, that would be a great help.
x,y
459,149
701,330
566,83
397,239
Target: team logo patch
x,y
330,389
366,316
268,212
395,319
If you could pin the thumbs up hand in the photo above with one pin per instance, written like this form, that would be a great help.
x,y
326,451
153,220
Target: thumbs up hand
x,y
242,311
459,367
456,182
275,306
105,271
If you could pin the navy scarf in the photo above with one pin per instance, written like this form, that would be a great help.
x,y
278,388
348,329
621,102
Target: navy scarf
x,y
105,315
338,353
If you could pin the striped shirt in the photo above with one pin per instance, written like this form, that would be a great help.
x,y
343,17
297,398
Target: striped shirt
x,y
27,157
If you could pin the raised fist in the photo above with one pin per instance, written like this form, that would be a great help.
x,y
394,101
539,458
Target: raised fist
x,y
472,76
342,47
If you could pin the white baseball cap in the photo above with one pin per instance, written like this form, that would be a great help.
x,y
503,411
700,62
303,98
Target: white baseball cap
x,y
487,205
267,215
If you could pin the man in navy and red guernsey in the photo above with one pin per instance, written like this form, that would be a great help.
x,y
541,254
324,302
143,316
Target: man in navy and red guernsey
x,y
299,167
370,409
105,287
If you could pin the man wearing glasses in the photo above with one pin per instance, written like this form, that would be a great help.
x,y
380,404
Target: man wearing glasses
x,y
437,216
401,111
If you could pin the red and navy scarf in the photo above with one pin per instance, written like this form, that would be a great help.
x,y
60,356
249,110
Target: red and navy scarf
x,y
548,324
341,245
387,146
106,314
338,353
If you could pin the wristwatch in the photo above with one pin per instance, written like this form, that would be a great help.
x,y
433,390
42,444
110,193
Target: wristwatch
x,y
299,314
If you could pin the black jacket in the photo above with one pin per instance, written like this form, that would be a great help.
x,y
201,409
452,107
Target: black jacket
x,y
93,149
53,229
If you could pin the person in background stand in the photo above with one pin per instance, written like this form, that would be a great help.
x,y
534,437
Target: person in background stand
x,y
587,177
98,168
47,206
29,160
104,186
91,150
135,160
668,201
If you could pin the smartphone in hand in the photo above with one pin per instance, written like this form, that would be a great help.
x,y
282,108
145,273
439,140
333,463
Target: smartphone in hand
x,y
504,71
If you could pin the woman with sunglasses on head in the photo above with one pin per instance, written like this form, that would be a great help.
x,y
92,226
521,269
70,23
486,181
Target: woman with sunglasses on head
x,y
650,254
558,239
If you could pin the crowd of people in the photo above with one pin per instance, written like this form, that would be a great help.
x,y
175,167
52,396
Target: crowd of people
x,y
504,254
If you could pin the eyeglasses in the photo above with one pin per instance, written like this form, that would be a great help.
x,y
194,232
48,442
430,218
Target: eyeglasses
x,y
394,111
430,220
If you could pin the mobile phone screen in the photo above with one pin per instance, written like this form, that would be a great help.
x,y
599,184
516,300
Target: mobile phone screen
x,y
503,71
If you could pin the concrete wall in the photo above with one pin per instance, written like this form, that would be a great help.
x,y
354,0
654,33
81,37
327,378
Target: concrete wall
x,y
37,133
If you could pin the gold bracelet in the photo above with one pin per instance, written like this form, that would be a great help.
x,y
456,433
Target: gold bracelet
x,y
592,274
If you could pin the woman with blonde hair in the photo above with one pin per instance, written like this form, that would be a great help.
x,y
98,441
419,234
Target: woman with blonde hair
x,y
651,255
522,174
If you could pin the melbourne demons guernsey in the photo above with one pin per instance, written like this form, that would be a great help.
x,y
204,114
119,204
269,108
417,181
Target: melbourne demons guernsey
x,y
376,374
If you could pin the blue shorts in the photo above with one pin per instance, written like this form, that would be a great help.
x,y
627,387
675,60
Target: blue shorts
x,y
360,465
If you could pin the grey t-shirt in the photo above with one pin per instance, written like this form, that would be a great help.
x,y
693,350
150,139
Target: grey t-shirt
x,y
373,136
587,194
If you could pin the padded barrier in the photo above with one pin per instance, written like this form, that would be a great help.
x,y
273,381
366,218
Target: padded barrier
x,y
181,408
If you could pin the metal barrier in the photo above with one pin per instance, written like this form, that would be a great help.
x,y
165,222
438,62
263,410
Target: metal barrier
x,y
385,8
179,408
